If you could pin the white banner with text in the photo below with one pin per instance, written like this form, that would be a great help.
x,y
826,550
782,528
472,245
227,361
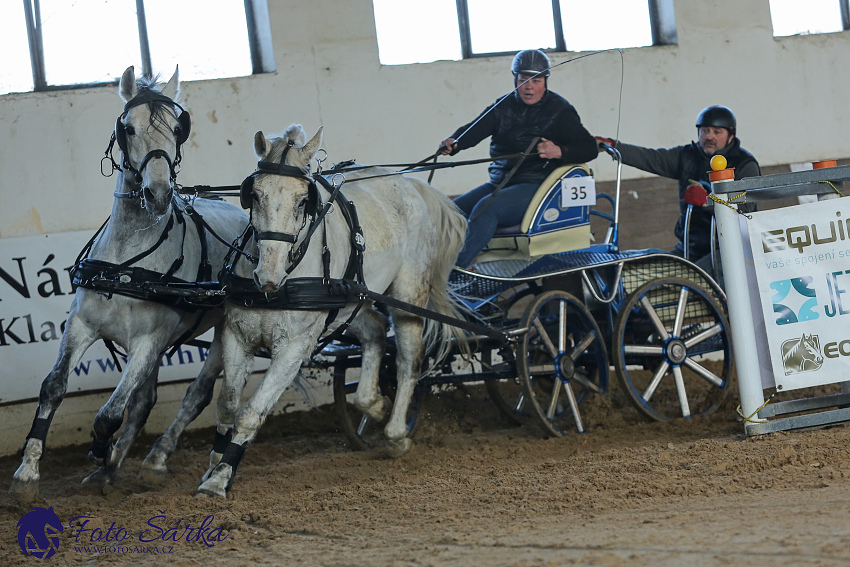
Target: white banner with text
x,y
802,265
35,296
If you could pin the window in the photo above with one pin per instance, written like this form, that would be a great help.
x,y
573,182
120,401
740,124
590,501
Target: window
x,y
416,31
15,72
421,31
493,25
589,26
792,17
84,42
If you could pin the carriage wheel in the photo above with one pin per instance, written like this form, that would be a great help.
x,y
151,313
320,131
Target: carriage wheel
x,y
362,431
560,360
507,393
672,352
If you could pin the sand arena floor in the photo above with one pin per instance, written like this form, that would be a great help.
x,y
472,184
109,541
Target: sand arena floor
x,y
473,491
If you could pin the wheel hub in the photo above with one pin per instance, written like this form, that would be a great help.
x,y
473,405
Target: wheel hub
x,y
677,352
566,367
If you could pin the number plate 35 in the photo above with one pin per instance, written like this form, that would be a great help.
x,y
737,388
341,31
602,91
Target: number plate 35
x,y
578,191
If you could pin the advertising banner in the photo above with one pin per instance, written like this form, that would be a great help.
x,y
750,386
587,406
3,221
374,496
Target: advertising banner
x,y
802,265
35,296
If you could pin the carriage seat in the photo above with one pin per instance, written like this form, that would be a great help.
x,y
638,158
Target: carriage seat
x,y
547,227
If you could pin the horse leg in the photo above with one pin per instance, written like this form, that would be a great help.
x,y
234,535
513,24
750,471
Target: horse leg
x,y
138,410
75,341
142,362
198,396
370,328
237,358
408,336
281,373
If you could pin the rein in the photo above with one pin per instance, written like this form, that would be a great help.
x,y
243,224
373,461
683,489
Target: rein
x,y
233,190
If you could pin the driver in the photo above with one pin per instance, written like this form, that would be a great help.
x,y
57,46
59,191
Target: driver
x,y
513,122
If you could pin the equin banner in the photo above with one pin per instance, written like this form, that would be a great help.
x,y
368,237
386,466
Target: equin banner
x,y
802,266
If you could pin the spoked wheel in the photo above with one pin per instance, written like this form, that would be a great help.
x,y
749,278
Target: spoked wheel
x,y
560,360
507,393
362,431
672,352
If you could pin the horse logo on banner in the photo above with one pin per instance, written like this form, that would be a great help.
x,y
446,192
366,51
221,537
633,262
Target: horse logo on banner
x,y
802,354
38,532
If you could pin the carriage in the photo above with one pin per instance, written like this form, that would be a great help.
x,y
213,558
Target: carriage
x,y
557,313
540,321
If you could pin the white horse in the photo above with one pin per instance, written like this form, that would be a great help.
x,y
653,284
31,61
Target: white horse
x,y
412,233
149,228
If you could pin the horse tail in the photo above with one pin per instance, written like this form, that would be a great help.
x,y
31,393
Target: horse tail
x,y
451,232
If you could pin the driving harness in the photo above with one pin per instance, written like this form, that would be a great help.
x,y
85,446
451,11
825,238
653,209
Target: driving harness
x,y
141,283
305,293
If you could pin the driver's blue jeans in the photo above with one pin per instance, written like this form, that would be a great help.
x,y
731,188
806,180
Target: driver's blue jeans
x,y
484,214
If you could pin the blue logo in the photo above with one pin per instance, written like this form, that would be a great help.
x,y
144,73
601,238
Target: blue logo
x,y
794,300
38,532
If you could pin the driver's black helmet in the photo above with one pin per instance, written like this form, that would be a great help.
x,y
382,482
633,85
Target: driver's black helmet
x,y
530,62
717,116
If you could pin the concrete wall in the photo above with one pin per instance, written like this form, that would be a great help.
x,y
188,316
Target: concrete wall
x,y
788,94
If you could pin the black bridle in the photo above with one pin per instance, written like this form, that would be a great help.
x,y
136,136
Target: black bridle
x,y
314,208
119,135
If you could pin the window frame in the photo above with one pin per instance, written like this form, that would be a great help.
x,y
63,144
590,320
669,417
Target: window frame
x,y
662,21
259,38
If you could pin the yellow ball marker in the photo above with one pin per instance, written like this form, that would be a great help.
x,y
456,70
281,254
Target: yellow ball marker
x,y
718,162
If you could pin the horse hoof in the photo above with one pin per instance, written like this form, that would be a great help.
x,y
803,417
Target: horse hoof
x,y
215,483
215,459
99,461
399,448
378,410
209,492
153,476
24,491
100,477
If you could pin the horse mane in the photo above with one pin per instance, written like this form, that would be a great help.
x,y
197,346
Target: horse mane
x,y
149,83
158,109
294,133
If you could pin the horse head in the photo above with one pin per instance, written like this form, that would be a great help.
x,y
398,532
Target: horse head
x,y
283,197
810,351
149,133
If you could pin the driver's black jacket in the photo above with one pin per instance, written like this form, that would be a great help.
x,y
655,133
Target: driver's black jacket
x,y
513,125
